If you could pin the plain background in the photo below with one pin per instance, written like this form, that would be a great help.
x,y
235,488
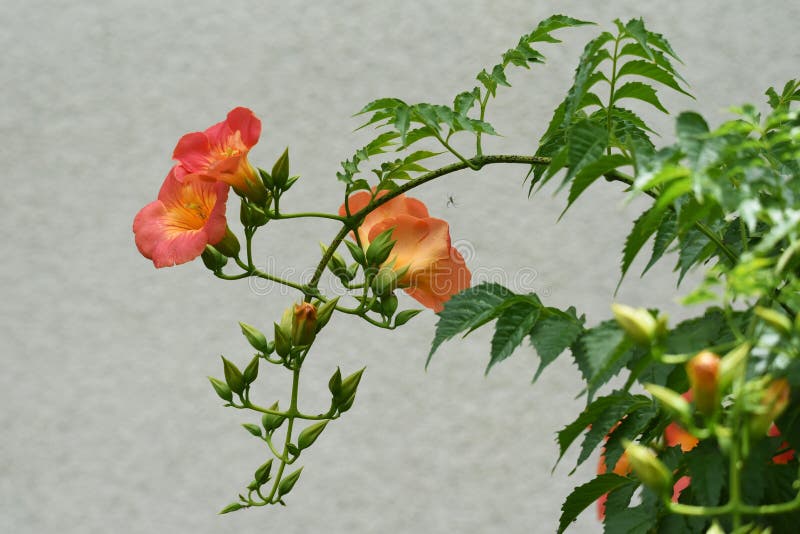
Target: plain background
x,y
108,422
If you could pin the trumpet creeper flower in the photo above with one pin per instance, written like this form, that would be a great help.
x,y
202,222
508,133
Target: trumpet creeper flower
x,y
187,216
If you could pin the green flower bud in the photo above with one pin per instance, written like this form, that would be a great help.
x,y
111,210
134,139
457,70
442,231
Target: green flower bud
x,y
650,470
638,323
213,259
774,400
732,365
380,248
280,171
283,344
671,401
229,244
775,319
325,312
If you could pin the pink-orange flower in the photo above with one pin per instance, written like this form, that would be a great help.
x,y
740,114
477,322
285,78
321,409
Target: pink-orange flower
x,y
187,216
220,153
432,269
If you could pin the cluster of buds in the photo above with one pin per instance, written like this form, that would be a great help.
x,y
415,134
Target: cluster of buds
x,y
299,326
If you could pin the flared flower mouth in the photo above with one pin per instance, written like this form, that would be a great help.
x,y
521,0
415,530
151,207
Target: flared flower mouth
x,y
188,215
220,153
429,269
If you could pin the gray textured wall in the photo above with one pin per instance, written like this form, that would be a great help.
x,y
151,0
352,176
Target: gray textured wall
x,y
108,423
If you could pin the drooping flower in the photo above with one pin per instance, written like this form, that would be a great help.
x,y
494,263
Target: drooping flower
x,y
220,153
429,268
187,216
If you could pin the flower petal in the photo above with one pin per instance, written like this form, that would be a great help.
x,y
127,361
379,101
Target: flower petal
x,y
193,152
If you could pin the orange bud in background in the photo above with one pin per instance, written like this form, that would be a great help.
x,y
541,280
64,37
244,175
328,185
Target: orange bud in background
x,y
703,371
304,324
774,401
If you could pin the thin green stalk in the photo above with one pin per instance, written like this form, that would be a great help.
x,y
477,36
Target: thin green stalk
x,y
478,147
318,215
717,241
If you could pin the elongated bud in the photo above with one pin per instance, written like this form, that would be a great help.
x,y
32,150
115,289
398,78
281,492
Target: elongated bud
x,y
229,244
732,365
251,215
213,259
280,171
325,312
304,324
673,402
775,319
650,470
703,371
638,323
380,248
254,189
774,401
336,264
385,281
283,343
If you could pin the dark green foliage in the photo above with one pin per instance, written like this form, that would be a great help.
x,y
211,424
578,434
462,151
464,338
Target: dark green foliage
x,y
586,494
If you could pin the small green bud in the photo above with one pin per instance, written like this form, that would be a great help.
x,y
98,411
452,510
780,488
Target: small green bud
x,y
715,528
310,434
233,376
288,483
774,400
733,365
252,215
251,371
335,383
385,281
671,401
253,429
228,245
650,470
221,388
262,473
266,179
380,248
283,344
347,394
272,422
325,312
775,319
254,336
232,507
213,259
280,171
404,316
638,323
389,305
356,252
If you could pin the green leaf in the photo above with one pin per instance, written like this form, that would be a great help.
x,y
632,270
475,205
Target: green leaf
x,y
707,467
253,429
595,409
693,335
666,234
512,326
584,495
640,91
550,24
693,248
652,71
310,434
467,310
597,348
644,227
592,172
552,335
586,141
636,29
639,417
607,420
593,55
